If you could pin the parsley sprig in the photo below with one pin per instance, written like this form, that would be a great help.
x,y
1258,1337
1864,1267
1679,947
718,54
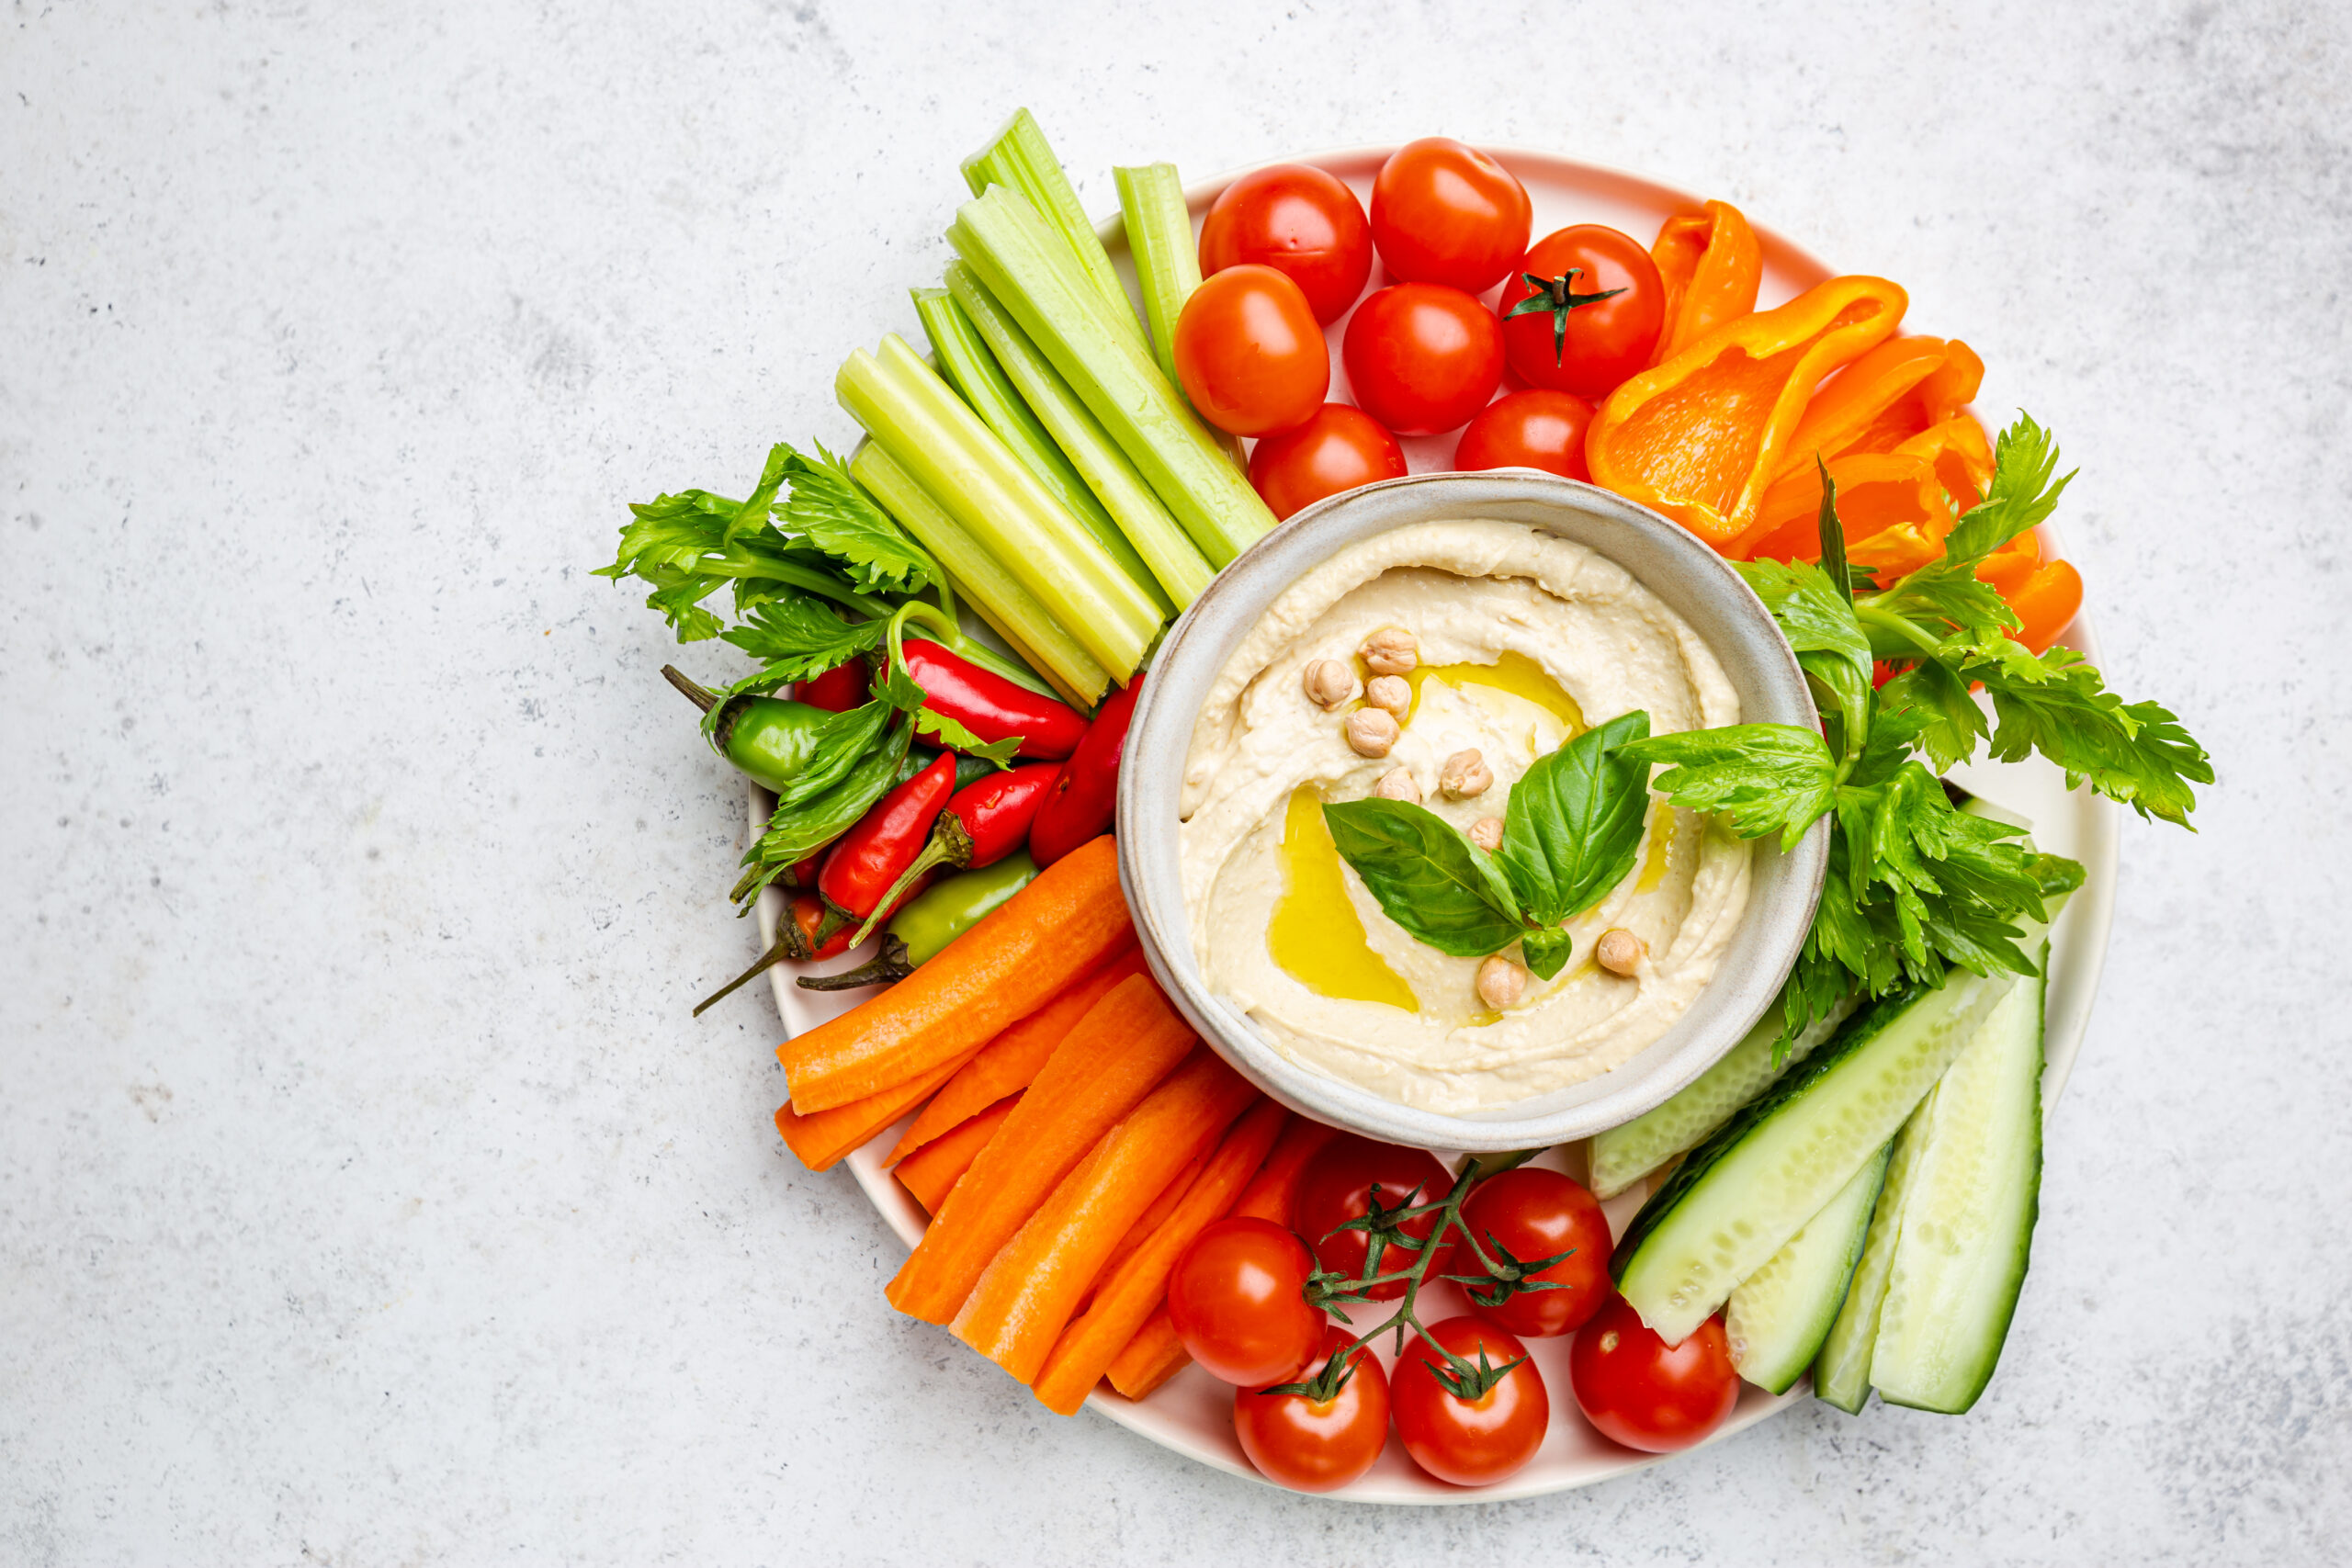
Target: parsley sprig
x,y
1914,883
820,574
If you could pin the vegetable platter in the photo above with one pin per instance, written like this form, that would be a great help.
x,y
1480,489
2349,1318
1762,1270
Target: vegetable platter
x,y
961,751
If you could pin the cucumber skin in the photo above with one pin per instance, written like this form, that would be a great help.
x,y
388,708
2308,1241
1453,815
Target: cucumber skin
x,y
1958,1398
1859,1031
1841,1370
1616,1152
1850,1240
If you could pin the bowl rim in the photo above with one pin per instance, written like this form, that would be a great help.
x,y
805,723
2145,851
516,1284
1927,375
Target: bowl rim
x,y
1148,795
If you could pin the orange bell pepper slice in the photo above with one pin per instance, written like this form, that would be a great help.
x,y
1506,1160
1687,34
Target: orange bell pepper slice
x,y
1891,506
1698,437
1961,455
1711,267
1848,409
2044,595
1933,399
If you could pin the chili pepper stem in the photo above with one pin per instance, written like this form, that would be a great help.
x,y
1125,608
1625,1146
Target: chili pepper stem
x,y
886,967
699,695
776,953
950,845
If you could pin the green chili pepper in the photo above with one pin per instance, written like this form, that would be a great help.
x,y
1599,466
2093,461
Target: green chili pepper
x,y
774,741
969,770
798,830
942,913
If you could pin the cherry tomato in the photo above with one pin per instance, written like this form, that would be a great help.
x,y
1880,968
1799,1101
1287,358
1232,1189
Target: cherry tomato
x,y
1536,1214
1338,449
1471,1442
1236,1300
1647,1394
1423,357
1302,222
1445,214
1534,429
1583,345
1316,1448
1249,353
1337,1188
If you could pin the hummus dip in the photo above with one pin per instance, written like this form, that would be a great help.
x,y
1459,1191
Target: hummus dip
x,y
1524,640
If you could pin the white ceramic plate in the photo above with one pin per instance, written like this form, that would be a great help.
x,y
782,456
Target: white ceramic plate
x,y
1193,1414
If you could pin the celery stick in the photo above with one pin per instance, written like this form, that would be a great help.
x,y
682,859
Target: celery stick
x,y
1019,158
974,372
1167,266
1160,237
1178,564
1018,259
920,421
1011,610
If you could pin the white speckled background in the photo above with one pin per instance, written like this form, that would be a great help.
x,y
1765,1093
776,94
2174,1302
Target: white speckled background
x,y
366,1195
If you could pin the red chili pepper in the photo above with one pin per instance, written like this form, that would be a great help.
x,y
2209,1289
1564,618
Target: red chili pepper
x,y
985,822
989,705
867,859
809,929
838,690
1085,796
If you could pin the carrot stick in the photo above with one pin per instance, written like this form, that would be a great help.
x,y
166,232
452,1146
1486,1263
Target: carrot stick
x,y
1132,1291
822,1138
1032,1288
1067,921
1009,1062
932,1171
1269,1194
1119,1052
1154,1217
1156,1354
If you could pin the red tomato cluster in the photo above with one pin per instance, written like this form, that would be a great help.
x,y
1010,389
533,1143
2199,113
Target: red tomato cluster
x,y
1287,251
1242,1299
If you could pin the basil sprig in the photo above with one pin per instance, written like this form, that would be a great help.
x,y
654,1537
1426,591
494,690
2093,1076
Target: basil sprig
x,y
1571,832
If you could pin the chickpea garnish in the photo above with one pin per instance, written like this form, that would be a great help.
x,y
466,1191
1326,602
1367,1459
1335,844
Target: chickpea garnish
x,y
1500,982
1466,774
1390,692
1619,950
1370,732
1398,784
1392,650
1487,833
1328,683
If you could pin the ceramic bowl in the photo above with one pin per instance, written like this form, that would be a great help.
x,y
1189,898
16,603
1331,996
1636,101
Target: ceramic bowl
x,y
1688,577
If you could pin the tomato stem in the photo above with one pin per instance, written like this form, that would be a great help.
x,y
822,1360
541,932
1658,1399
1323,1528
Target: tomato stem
x,y
1383,1227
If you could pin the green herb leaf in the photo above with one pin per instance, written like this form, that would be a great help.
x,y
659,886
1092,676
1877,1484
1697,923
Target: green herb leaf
x,y
842,742
833,512
1547,952
1833,535
2021,494
1572,825
796,831
1429,878
2137,753
1931,704
1815,613
751,516
797,636
1766,778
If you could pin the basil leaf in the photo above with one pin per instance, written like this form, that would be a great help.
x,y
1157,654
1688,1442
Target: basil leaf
x,y
1429,878
1547,951
1574,825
